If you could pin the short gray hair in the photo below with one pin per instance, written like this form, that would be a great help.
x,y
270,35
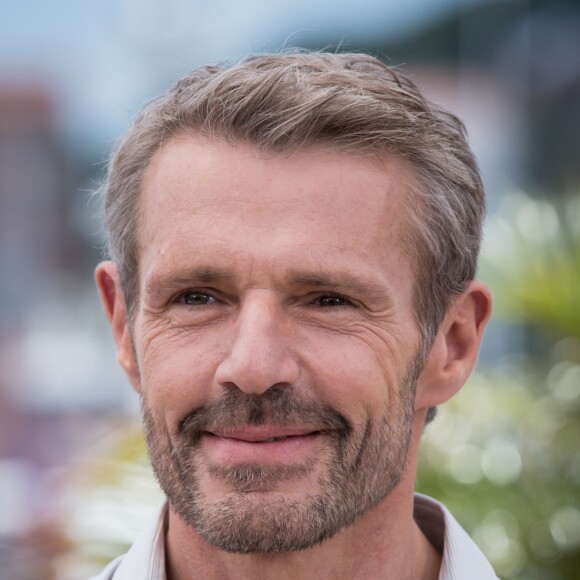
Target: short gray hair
x,y
352,102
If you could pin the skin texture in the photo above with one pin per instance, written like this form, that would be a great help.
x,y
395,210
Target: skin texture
x,y
275,299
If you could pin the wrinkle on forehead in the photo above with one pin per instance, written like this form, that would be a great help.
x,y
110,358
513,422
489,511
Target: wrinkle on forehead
x,y
209,155
292,199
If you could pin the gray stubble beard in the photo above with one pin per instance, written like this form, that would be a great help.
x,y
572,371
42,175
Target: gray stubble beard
x,y
362,470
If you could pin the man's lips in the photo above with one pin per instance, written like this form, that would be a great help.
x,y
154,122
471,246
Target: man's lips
x,y
261,445
264,434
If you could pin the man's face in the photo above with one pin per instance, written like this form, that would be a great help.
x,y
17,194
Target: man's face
x,y
274,338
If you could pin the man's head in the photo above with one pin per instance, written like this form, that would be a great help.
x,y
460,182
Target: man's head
x,y
293,243
345,102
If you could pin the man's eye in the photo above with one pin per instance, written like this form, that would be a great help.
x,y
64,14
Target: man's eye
x,y
196,299
331,300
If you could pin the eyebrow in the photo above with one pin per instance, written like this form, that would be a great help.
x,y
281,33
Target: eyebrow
x,y
341,282
161,285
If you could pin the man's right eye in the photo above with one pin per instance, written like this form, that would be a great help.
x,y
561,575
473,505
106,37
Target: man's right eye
x,y
196,298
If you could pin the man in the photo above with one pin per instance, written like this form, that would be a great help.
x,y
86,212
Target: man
x,y
293,245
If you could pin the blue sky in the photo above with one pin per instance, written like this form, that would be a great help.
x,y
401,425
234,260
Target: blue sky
x,y
103,58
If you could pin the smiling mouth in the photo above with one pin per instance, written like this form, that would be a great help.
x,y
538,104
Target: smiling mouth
x,y
263,435
261,445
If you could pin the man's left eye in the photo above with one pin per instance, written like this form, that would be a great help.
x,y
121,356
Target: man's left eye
x,y
196,298
331,300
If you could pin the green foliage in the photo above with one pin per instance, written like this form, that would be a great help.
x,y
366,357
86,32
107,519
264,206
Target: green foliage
x,y
504,454
532,257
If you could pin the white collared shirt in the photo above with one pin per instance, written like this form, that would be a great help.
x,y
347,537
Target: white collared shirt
x,y
462,559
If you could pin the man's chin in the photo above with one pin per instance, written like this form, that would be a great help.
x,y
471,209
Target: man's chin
x,y
248,478
262,521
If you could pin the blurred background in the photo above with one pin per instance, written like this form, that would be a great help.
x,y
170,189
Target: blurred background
x,y
75,485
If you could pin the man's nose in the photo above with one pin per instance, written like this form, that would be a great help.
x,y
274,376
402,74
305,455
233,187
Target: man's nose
x,y
260,356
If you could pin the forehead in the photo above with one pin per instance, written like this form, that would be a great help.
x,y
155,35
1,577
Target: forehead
x,y
201,194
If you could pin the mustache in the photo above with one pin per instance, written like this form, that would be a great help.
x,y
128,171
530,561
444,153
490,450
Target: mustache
x,y
278,406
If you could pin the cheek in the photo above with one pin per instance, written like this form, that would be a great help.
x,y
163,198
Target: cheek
x,y
177,371
354,375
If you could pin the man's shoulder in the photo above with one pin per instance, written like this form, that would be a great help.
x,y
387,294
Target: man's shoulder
x,y
461,557
145,559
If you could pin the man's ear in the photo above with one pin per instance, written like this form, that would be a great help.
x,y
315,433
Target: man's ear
x,y
454,351
113,299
